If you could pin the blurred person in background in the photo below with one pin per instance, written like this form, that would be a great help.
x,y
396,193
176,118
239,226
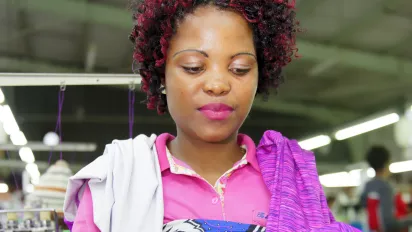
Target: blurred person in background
x,y
401,189
14,198
385,213
335,208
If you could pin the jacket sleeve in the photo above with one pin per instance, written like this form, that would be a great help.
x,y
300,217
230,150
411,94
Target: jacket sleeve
x,y
387,202
83,221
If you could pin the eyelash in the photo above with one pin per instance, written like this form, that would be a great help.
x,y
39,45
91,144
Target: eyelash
x,y
197,70
240,71
193,70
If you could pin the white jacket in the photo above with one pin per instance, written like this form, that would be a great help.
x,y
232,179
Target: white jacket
x,y
127,169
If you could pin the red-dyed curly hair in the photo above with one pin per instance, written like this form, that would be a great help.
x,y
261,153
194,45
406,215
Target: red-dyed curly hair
x,y
272,21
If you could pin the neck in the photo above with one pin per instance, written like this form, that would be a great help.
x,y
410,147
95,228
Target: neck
x,y
381,175
206,158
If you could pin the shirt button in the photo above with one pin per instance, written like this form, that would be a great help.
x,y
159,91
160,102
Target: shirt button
x,y
215,200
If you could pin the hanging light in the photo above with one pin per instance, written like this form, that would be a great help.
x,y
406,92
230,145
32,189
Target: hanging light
x,y
4,188
367,126
26,155
315,142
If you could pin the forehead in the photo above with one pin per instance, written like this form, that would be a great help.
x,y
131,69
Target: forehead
x,y
209,28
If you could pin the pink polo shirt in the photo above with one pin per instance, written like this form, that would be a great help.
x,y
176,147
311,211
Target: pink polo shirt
x,y
239,195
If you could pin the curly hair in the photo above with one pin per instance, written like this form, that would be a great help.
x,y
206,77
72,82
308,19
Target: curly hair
x,y
378,157
272,21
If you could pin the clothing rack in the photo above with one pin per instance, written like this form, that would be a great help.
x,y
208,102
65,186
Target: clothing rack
x,y
66,79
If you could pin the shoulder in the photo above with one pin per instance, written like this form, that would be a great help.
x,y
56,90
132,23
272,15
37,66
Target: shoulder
x,y
141,142
141,138
377,185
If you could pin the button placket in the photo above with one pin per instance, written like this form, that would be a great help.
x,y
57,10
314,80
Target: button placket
x,y
215,200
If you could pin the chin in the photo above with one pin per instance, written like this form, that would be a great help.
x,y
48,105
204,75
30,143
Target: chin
x,y
215,135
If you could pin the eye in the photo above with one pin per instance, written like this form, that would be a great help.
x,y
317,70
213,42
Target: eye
x,y
240,71
193,70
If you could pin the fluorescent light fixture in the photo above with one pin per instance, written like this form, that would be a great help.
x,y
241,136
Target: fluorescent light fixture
x,y
340,179
18,138
26,155
9,122
2,98
404,166
367,126
371,173
4,188
355,177
33,170
315,142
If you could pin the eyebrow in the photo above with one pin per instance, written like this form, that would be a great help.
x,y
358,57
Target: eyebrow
x,y
192,50
206,55
244,53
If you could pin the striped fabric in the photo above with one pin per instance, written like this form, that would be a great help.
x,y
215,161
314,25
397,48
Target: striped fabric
x,y
51,190
298,202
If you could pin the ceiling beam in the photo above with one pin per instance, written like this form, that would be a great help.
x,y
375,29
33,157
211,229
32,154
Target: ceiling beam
x,y
23,23
343,91
28,65
306,8
328,115
390,65
368,18
82,11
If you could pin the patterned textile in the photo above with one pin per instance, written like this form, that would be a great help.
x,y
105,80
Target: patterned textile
x,y
298,202
210,226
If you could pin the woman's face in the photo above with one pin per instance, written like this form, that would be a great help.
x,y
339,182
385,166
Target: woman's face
x,y
211,74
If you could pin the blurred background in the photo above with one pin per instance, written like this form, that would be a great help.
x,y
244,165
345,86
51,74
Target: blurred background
x,y
351,89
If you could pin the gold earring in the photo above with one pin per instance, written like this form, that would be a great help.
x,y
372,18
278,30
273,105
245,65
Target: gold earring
x,y
163,88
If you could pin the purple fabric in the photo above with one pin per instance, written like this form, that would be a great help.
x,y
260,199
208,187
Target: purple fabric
x,y
69,224
298,202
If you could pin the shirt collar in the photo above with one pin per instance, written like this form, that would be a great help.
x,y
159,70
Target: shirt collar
x,y
242,139
161,143
245,140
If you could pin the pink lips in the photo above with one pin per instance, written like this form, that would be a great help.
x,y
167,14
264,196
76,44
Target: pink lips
x,y
216,111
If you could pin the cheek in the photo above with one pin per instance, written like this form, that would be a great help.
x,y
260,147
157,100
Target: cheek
x,y
251,87
246,94
178,94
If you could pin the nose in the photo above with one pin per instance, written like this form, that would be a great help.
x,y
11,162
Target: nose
x,y
216,86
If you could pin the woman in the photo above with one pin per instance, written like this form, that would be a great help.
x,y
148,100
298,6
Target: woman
x,y
203,62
